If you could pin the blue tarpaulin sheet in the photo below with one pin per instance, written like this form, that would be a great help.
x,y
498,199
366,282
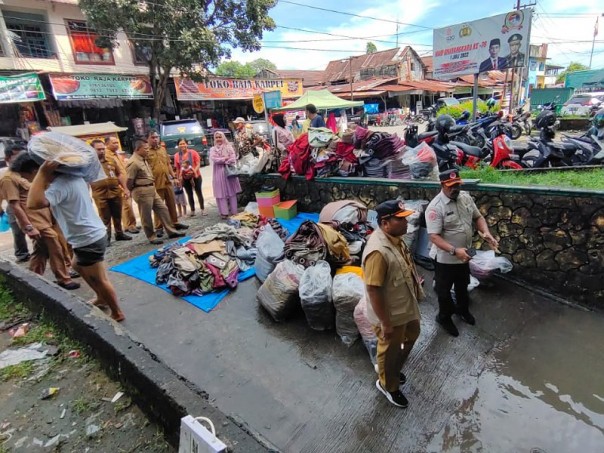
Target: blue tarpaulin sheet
x,y
140,268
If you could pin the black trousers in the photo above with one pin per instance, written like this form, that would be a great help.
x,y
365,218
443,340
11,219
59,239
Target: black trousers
x,y
189,185
449,276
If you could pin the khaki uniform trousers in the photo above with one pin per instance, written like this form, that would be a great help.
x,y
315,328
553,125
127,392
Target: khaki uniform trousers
x,y
128,219
167,194
110,209
50,247
148,202
390,356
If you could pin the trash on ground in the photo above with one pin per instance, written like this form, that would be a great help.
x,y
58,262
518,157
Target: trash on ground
x,y
34,351
19,331
117,396
73,354
49,393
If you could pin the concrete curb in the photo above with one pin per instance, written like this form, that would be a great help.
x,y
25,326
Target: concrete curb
x,y
164,396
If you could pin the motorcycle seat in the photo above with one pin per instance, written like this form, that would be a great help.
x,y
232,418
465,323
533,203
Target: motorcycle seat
x,y
469,149
564,146
456,129
425,135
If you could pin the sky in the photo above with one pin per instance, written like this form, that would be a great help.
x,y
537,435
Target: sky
x,y
567,26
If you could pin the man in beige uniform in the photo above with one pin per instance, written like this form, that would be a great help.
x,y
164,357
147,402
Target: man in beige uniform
x,y
449,219
163,176
38,225
112,151
140,184
393,291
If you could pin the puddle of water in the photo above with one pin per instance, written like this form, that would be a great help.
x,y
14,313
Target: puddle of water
x,y
542,393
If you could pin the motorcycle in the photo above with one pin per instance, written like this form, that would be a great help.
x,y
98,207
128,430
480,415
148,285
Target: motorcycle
x,y
501,153
521,123
452,154
594,140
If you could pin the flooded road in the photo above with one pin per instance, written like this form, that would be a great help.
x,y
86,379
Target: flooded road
x,y
542,391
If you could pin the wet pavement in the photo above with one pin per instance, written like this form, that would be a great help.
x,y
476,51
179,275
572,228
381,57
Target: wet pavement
x,y
526,378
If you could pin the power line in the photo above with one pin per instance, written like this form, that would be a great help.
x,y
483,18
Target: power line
x,y
362,16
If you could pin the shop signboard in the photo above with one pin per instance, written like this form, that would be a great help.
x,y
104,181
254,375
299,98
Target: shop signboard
x,y
221,88
21,88
67,87
495,43
272,99
258,103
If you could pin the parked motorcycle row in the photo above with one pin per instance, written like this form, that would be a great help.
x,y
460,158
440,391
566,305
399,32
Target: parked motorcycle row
x,y
489,140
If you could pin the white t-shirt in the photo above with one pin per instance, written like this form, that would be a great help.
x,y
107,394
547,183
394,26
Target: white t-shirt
x,y
72,207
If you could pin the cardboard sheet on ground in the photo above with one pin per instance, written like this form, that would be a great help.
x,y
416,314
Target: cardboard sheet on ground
x,y
140,268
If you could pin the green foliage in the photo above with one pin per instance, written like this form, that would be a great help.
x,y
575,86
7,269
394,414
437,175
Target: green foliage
x,y
572,67
456,110
262,63
576,179
19,371
236,70
371,48
186,35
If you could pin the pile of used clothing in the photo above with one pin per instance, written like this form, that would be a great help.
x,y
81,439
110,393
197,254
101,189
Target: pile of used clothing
x,y
213,259
321,153
311,256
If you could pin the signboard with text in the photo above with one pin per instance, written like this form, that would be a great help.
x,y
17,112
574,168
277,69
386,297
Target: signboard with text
x,y
495,43
272,99
66,87
220,88
21,88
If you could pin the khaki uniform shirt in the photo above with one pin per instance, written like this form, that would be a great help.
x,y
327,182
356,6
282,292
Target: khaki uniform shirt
x,y
453,221
109,187
139,171
13,187
159,161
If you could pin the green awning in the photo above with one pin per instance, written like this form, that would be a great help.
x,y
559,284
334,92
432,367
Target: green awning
x,y
323,100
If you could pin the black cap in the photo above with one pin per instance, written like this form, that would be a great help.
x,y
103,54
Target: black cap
x,y
450,177
515,37
392,208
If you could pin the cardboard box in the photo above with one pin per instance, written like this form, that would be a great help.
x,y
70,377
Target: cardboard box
x,y
286,209
266,211
268,199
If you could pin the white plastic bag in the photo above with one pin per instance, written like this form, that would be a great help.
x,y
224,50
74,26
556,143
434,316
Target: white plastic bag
x,y
348,289
279,293
421,161
76,157
366,329
252,208
269,249
315,296
484,264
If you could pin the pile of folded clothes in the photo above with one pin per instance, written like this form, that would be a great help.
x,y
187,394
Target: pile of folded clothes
x,y
213,259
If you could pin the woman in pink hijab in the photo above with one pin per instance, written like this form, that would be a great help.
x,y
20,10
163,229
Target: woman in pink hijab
x,y
225,187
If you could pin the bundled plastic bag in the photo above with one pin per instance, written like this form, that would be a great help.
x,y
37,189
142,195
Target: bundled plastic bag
x,y
366,329
413,222
279,293
315,295
76,157
269,249
484,264
348,289
421,161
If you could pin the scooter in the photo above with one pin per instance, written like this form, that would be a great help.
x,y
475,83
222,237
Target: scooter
x,y
500,150
521,123
455,154
592,139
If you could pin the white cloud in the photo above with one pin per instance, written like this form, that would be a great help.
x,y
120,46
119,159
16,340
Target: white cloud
x,y
403,11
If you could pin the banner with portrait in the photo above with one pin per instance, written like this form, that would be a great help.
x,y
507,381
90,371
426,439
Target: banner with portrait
x,y
495,43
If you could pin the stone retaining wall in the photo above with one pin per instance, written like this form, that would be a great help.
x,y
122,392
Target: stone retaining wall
x,y
555,238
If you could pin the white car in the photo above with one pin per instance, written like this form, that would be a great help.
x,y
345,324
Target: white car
x,y
582,104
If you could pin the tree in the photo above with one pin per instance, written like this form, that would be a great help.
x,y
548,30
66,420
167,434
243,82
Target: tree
x,y
236,70
262,63
572,67
187,36
371,48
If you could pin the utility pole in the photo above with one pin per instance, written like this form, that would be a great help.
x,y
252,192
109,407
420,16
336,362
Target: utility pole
x,y
350,65
397,35
514,70
593,41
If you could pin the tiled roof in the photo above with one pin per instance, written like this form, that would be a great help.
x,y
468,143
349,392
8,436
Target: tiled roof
x,y
309,78
340,69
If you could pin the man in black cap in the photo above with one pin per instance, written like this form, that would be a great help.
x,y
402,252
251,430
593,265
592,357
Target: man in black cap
x,y
449,220
393,291
516,58
494,62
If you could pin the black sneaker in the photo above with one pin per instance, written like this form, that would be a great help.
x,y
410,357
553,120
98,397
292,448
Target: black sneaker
x,y
155,241
402,378
176,235
395,398
159,233
23,259
122,237
181,226
468,318
448,325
